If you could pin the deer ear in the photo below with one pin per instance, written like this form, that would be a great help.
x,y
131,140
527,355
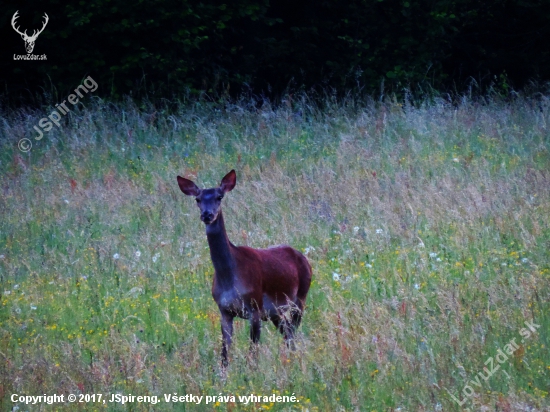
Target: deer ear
x,y
188,187
228,182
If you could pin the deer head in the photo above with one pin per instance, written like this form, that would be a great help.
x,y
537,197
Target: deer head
x,y
209,200
29,40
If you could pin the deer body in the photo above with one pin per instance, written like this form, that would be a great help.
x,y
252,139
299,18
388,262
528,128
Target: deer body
x,y
255,284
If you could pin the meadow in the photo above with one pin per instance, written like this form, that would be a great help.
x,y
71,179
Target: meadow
x,y
426,224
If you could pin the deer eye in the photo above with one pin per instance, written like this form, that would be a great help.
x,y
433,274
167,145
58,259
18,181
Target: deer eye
x,y
198,200
220,198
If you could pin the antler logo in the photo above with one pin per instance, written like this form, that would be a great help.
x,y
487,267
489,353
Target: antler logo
x,y
29,40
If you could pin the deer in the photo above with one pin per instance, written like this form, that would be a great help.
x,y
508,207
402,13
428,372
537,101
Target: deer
x,y
29,40
254,284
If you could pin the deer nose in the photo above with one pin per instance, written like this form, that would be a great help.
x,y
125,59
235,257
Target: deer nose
x,y
207,216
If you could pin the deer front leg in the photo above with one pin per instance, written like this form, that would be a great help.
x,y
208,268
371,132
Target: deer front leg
x,y
227,334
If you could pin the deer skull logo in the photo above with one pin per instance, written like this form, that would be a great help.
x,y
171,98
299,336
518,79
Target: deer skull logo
x,y
29,40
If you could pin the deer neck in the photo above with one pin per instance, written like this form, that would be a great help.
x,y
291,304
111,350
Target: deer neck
x,y
221,251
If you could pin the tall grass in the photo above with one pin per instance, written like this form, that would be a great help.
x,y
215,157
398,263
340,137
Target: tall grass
x,y
427,227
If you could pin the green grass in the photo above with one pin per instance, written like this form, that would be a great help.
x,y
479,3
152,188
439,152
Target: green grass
x,y
427,228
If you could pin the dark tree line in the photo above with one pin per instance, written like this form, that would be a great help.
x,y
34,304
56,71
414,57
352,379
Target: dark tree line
x,y
164,47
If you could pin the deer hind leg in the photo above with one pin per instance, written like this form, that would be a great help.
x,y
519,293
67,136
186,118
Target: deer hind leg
x,y
284,327
279,324
284,322
295,311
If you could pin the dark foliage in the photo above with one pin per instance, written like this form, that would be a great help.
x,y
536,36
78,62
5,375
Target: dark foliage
x,y
167,47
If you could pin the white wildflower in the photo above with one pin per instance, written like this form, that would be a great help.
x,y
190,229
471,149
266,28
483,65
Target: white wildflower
x,y
368,265
33,307
379,231
16,286
157,255
433,254
524,260
355,230
308,249
438,260
416,286
335,277
116,256
455,159
137,254
2,257
66,201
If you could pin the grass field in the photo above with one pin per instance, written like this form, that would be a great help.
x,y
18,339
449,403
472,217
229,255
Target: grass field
x,y
427,227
